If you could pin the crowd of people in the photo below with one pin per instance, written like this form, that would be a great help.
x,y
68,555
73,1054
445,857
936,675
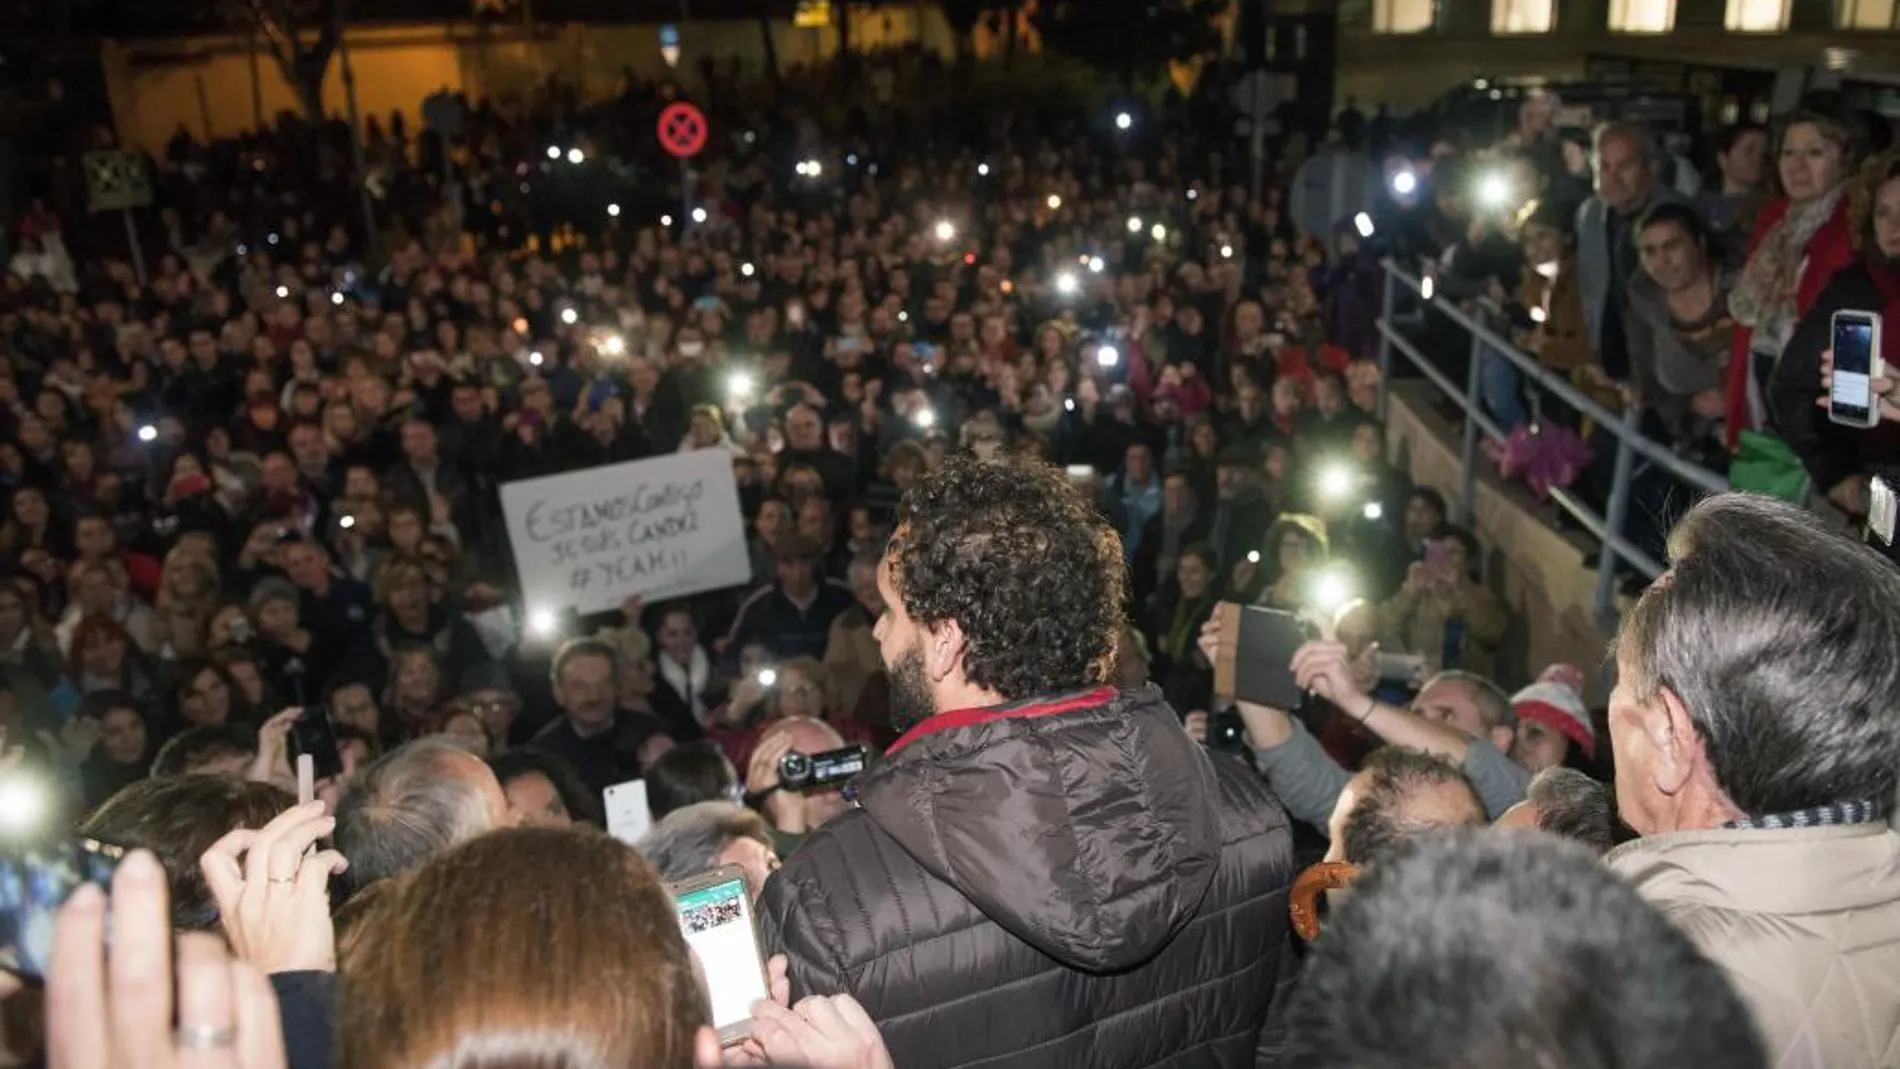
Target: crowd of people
x,y
1015,399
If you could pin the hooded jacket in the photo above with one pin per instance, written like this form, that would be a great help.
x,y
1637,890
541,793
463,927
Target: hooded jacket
x,y
1071,882
1805,922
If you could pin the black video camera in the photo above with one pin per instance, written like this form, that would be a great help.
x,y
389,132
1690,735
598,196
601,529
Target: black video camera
x,y
818,771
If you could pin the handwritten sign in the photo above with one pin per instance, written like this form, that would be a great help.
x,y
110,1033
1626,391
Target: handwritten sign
x,y
661,528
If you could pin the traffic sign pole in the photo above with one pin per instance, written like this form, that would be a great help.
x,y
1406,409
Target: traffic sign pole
x,y
682,130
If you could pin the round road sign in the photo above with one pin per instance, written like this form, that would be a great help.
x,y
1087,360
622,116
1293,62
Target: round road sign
x,y
682,130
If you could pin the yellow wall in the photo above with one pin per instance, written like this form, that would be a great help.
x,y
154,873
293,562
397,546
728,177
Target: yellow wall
x,y
205,84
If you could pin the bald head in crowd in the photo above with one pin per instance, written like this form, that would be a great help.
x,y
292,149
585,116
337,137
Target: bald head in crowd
x,y
412,804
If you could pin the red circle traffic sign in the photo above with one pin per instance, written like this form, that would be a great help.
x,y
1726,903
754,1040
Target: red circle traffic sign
x,y
682,130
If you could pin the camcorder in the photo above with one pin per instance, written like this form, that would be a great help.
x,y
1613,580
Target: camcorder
x,y
820,771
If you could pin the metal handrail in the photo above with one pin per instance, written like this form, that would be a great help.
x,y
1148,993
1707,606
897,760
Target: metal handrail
x,y
1624,427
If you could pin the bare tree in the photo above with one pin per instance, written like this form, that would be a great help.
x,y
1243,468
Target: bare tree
x,y
286,28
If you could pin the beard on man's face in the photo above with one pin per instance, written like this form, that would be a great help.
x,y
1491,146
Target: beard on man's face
x,y
911,703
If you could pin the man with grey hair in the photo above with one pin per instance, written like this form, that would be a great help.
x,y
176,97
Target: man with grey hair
x,y
1629,166
1569,804
706,835
1756,726
413,803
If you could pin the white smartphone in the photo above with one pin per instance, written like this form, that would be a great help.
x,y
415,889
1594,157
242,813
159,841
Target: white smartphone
x,y
716,918
1851,401
1882,509
629,818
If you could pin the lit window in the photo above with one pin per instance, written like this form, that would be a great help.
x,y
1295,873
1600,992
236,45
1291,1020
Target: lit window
x,y
1864,14
1403,16
1645,16
1523,16
1756,16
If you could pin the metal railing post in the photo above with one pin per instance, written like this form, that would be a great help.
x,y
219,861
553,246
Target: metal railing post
x,y
1468,453
1386,303
1615,512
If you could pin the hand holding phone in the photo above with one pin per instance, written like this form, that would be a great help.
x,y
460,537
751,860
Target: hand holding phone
x,y
716,917
1253,656
1851,399
36,879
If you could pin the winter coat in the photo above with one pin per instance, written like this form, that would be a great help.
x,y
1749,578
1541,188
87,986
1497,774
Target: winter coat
x,y
1061,882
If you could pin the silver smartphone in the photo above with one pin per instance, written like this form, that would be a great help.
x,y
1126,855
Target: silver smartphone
x,y
1851,400
716,916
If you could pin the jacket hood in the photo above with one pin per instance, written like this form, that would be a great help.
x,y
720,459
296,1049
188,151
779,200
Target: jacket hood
x,y
1085,825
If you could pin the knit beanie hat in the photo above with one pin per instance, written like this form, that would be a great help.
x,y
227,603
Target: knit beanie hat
x,y
1558,706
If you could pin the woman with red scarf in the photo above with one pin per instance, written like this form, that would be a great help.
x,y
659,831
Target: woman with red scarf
x,y
1801,239
1838,458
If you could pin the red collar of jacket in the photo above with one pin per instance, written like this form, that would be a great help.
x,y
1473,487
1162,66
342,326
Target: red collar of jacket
x,y
1035,707
1831,249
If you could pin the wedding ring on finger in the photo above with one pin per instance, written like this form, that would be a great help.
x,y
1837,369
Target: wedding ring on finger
x,y
204,1037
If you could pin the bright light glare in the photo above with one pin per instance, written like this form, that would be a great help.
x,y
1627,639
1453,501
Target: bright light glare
x,y
570,316
575,155
1362,223
535,358
346,521
1404,183
1332,588
283,292
336,298
1253,556
1124,120
148,433
1426,288
666,220
541,622
747,269
613,345
739,385
613,211
1097,265
1194,194
1494,190
699,215
982,170
22,803
1226,252
1067,284
1108,356
1538,315
1374,511
1068,404
554,152
1134,224
768,677
924,417
1158,232
813,168
1335,481
946,230
800,167
1054,202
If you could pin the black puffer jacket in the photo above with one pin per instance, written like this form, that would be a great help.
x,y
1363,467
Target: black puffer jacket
x,y
1063,883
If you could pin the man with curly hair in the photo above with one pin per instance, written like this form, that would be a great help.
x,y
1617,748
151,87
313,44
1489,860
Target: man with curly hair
x,y
1044,871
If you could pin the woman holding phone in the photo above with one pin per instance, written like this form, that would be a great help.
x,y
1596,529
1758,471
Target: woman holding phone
x,y
1838,458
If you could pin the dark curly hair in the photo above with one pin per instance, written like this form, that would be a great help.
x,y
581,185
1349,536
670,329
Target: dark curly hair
x,y
1024,564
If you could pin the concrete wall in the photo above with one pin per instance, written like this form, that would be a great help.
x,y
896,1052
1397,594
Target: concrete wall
x,y
1536,569
205,84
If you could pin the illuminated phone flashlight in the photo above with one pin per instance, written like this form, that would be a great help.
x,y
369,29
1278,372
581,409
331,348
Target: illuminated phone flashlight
x,y
982,170
1549,269
1362,223
946,230
23,803
1404,182
570,316
1426,288
1374,511
536,358
148,433
1538,315
801,168
336,299
813,168
850,159
903,317
1494,190
1134,224
613,345
1097,265
613,211
1193,194
1226,252
554,152
1054,202
575,155
283,292
1336,481
346,521
747,269
1107,356
699,215
1331,588
924,418
1253,556
273,237
1067,284
1158,232
1068,404
739,386
767,677
1123,121
541,622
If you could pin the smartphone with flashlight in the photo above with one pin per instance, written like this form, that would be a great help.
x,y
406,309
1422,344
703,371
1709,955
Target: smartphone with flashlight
x,y
36,878
1851,400
715,914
